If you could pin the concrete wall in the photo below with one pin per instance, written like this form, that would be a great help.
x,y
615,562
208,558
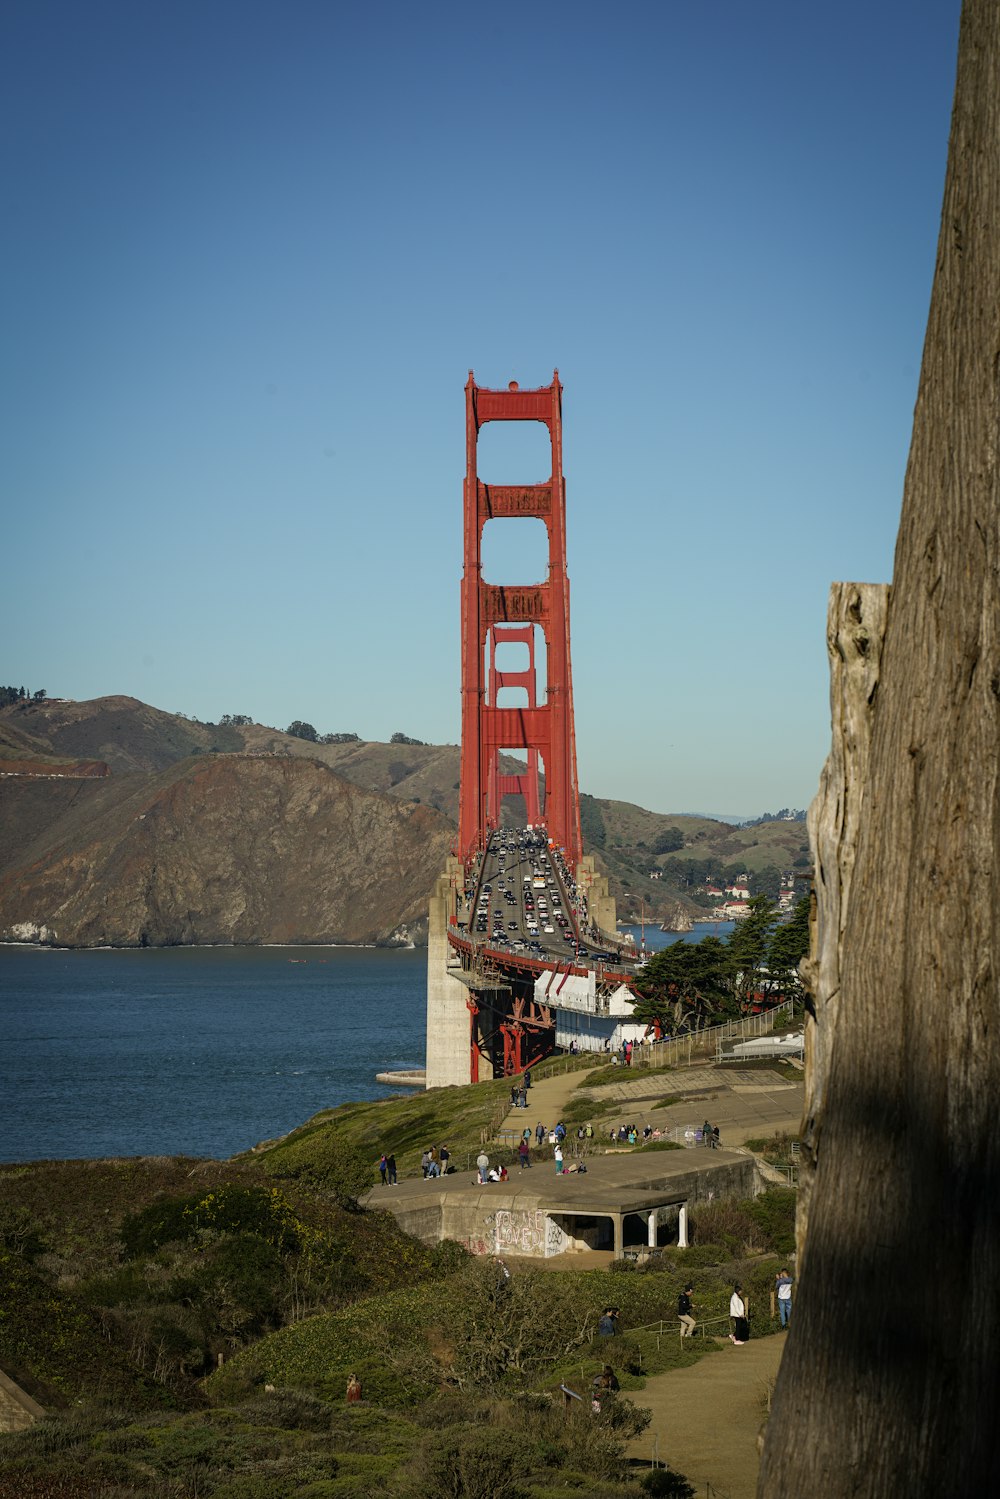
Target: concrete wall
x,y
17,1409
492,1220
447,1011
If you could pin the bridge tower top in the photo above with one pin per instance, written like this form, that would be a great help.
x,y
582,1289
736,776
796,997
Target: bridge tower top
x,y
500,614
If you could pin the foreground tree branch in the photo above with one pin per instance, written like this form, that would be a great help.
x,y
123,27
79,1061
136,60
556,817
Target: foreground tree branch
x,y
891,1380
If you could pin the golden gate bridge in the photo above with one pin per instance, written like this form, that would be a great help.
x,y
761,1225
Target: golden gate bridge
x,y
523,951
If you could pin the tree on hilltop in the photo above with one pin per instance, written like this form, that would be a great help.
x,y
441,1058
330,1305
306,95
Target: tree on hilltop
x,y
299,729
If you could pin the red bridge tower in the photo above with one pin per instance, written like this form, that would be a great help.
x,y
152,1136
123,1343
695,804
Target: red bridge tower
x,y
498,615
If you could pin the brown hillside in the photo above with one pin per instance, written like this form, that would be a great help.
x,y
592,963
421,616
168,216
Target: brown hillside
x,y
126,734
47,826
229,849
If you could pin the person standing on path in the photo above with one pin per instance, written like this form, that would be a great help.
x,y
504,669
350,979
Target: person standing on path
x,y
390,1163
524,1154
558,1158
685,1308
539,1132
383,1167
783,1286
483,1162
738,1313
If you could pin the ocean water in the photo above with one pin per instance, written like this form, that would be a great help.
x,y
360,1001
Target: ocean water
x,y
195,1051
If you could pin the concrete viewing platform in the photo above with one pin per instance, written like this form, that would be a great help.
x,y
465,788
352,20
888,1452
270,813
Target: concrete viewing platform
x,y
413,1077
636,1200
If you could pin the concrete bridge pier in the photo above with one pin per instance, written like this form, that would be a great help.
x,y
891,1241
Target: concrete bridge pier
x,y
448,1043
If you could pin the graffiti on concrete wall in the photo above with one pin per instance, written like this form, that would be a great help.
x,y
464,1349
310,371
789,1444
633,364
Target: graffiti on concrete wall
x,y
520,1232
556,1240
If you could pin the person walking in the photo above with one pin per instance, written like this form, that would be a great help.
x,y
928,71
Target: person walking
x,y
383,1167
524,1154
685,1311
483,1162
783,1286
738,1314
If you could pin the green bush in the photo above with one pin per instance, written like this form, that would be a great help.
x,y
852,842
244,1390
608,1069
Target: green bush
x,y
292,1410
231,1209
774,1214
664,1483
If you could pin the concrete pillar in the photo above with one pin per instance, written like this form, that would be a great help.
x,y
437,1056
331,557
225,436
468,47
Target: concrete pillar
x,y
682,1226
651,1223
600,905
619,1225
447,1011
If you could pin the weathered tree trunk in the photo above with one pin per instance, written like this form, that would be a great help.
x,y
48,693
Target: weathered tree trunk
x,y
855,634
890,1385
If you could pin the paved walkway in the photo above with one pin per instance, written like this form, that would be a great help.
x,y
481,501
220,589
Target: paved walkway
x,y
707,1418
745,1104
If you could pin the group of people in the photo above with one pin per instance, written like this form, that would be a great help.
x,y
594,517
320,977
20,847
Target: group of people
x,y
739,1311
519,1091
435,1161
488,1173
387,1169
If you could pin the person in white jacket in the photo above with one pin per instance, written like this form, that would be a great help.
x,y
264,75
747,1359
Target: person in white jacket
x,y
738,1315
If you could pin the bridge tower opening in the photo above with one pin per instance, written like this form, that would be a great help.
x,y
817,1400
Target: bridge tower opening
x,y
495,615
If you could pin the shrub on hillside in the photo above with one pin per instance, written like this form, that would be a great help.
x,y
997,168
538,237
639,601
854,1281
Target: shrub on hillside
x,y
233,1209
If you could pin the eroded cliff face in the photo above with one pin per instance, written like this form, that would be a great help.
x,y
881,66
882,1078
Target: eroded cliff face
x,y
228,848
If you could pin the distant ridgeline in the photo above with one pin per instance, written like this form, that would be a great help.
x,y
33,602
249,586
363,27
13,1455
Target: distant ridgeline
x,y
121,824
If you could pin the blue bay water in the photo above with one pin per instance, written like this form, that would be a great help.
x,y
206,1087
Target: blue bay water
x,y
195,1051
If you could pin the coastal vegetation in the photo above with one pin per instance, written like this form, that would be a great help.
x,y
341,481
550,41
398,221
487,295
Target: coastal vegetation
x,y
690,984
191,1326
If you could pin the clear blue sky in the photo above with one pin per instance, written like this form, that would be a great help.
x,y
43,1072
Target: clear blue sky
x,y
253,249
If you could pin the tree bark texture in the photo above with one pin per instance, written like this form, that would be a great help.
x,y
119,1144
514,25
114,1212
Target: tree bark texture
x,y
890,1384
855,633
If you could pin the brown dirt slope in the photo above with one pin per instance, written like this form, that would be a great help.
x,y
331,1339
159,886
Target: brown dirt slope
x,y
226,849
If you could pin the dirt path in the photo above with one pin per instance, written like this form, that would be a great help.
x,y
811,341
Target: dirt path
x,y
547,1097
706,1418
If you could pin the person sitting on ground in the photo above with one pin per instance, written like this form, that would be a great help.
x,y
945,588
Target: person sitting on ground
x,y
353,1389
497,1174
605,1385
623,1133
647,1130
632,1136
